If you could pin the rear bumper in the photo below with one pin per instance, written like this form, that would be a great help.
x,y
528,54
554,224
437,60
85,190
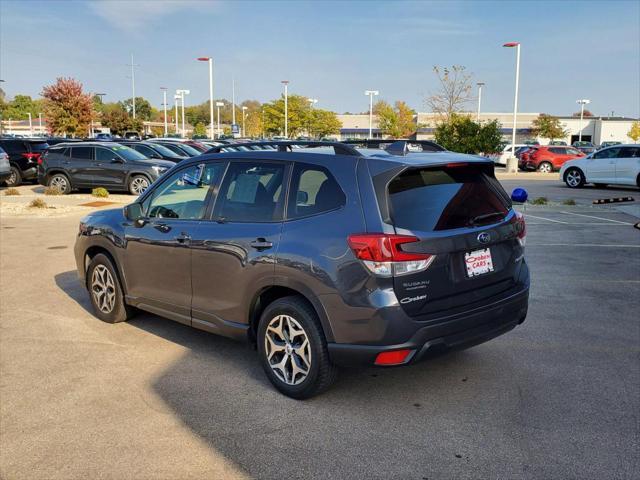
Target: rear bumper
x,y
459,331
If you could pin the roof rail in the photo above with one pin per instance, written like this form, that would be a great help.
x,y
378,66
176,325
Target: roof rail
x,y
287,146
398,148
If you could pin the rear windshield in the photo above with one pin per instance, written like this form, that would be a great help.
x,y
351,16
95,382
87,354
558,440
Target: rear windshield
x,y
38,146
443,198
164,151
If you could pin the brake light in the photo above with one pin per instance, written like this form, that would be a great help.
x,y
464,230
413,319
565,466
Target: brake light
x,y
456,165
521,229
382,254
31,156
394,357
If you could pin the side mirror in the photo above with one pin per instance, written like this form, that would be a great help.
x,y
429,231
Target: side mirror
x,y
117,160
133,212
519,195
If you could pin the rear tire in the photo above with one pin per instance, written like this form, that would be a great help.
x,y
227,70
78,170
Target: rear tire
x,y
61,182
138,184
106,292
293,350
15,179
574,178
545,167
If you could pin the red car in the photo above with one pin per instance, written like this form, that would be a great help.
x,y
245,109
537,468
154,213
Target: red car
x,y
548,158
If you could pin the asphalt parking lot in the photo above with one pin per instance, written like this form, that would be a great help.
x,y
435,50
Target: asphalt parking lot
x,y
558,397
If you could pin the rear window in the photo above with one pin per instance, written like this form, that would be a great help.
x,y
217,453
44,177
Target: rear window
x,y
444,198
38,146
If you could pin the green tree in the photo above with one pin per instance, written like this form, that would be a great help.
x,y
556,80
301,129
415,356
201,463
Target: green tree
x,y
199,130
117,119
634,132
298,116
20,107
546,126
143,108
454,91
323,123
396,121
67,108
461,134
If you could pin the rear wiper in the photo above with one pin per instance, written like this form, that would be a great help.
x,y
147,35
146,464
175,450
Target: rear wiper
x,y
479,218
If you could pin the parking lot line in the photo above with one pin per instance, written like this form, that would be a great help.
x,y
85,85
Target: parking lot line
x,y
598,218
580,245
547,219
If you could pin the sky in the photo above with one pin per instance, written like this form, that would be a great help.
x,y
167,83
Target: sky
x,y
330,50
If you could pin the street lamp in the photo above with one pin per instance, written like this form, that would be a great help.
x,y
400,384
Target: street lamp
x,y
219,104
582,103
480,85
164,104
244,110
512,165
210,60
286,107
30,125
177,99
40,123
371,94
182,93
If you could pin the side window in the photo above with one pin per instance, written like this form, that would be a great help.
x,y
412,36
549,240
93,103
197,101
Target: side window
x,y
183,195
144,150
82,153
105,155
13,147
607,153
573,151
313,190
629,152
558,151
251,192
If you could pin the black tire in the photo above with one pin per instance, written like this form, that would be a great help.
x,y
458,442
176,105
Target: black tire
x,y
120,311
134,184
61,182
574,178
600,185
16,177
321,372
546,167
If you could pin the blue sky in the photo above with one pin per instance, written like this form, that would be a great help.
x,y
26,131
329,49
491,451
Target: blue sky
x,y
332,51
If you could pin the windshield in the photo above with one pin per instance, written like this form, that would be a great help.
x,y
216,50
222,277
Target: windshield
x,y
126,152
189,149
162,150
38,146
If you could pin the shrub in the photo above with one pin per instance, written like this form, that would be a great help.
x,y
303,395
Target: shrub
x,y
569,201
12,191
100,192
540,201
52,191
38,203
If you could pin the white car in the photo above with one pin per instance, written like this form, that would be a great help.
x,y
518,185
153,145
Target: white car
x,y
506,153
617,165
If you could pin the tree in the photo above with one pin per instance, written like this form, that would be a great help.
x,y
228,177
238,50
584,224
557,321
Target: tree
x,y
67,108
396,122
546,126
454,92
117,119
143,108
298,112
634,132
461,134
587,113
323,123
199,130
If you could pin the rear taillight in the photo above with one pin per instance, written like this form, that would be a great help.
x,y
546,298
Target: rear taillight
x,y
382,254
521,229
31,157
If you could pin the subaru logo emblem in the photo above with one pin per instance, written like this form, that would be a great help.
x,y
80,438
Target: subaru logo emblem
x,y
484,237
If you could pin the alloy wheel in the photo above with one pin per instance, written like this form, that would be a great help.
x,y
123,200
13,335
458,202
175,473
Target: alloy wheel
x,y
574,178
545,168
139,185
59,182
103,289
288,349
13,177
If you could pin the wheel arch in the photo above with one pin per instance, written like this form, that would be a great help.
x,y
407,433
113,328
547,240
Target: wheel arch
x,y
94,250
572,167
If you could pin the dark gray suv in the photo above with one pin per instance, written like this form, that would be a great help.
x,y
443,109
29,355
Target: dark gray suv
x,y
319,256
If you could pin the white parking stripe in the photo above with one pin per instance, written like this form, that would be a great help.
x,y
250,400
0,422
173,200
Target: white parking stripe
x,y
598,218
527,215
579,245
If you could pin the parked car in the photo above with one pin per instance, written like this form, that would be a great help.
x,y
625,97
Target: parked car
x,y
558,142
154,150
547,158
179,148
608,144
507,152
412,145
585,147
23,158
5,166
375,260
105,137
98,164
617,165
183,141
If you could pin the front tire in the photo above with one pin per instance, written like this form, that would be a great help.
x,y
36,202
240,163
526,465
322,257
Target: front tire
x,y
138,184
61,182
15,178
293,350
106,292
545,167
574,178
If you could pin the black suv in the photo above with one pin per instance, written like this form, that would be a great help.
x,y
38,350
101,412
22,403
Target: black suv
x,y
69,166
154,150
23,158
320,256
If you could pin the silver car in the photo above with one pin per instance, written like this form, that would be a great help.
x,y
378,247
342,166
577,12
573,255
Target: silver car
x,y
5,167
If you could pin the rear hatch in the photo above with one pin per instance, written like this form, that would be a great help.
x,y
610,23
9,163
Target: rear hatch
x,y
461,215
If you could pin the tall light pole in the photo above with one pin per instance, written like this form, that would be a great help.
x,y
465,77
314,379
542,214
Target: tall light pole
x,y
30,125
582,103
210,60
514,166
164,104
233,101
286,107
176,98
182,93
312,102
40,122
218,105
244,112
480,85
371,94
133,86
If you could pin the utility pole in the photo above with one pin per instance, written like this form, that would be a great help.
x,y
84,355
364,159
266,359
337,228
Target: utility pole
x,y
371,94
133,86
582,103
218,105
286,107
164,104
176,98
233,100
480,85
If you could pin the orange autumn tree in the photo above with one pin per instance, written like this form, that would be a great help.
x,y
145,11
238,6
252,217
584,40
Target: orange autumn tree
x,y
67,108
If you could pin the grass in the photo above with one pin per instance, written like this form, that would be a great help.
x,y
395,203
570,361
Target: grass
x,y
100,192
38,203
569,201
12,191
540,201
52,191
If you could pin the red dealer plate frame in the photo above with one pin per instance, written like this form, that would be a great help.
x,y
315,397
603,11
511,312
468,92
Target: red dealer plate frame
x,y
478,262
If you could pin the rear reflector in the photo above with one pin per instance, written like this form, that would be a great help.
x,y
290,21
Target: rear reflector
x,y
395,357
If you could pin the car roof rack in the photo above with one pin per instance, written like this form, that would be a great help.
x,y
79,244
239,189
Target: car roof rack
x,y
287,146
399,148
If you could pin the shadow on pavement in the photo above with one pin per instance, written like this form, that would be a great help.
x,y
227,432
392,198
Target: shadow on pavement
x,y
70,284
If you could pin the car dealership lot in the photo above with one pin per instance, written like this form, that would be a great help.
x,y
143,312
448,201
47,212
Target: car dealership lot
x,y
558,397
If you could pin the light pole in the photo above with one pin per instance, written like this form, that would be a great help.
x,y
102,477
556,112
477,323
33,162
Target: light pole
x,y
480,85
312,102
164,104
176,98
40,122
512,165
286,107
133,86
582,103
244,110
210,60
371,94
30,125
218,105
182,93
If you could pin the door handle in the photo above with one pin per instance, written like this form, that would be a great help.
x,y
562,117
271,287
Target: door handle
x,y
184,238
261,244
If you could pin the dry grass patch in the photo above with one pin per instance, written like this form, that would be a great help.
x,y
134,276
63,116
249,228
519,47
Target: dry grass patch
x,y
12,191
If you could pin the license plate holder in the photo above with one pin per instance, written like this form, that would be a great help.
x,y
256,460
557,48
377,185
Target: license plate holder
x,y
478,262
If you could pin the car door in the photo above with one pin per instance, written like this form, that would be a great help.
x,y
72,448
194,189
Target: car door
x,y
80,166
110,168
234,253
158,249
601,166
627,165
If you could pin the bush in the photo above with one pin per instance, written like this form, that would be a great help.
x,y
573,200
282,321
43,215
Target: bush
x,y
38,203
52,191
540,201
461,134
12,191
100,192
570,201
